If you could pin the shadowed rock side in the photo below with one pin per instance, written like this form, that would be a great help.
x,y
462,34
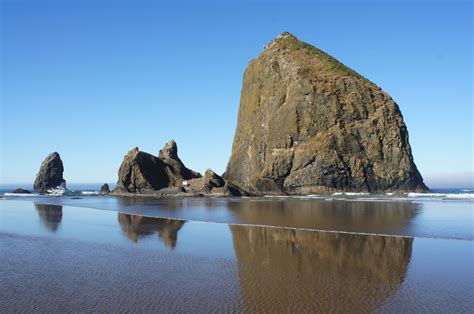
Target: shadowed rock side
x,y
142,172
50,174
309,124
50,216
136,227
285,270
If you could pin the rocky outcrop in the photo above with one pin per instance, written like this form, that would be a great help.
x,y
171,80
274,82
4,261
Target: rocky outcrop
x,y
309,124
206,184
105,189
21,191
142,172
50,174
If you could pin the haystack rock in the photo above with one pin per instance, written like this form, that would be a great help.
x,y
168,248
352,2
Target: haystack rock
x,y
50,174
142,172
309,124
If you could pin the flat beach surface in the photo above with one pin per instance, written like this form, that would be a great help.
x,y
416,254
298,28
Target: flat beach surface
x,y
69,257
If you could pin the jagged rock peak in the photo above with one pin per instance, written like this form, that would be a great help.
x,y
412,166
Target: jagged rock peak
x,y
141,172
170,150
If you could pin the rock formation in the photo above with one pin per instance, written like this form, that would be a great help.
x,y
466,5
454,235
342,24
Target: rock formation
x,y
50,174
207,183
105,189
309,124
142,172
21,191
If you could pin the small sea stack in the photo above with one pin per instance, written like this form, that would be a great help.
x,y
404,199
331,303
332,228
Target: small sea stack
x,y
50,174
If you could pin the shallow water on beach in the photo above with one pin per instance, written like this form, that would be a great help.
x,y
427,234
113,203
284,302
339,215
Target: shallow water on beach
x,y
66,258
451,219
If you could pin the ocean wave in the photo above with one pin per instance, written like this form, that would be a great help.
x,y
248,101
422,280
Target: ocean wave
x,y
350,193
442,195
21,194
90,192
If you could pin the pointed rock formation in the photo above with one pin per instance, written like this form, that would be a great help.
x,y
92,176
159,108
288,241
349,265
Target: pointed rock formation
x,y
142,172
50,174
309,124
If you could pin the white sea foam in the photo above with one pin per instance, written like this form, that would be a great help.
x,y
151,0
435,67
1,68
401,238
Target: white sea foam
x,y
442,195
90,192
21,194
350,193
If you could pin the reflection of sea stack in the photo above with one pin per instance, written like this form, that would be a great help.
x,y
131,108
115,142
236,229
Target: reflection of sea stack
x,y
296,270
50,215
307,123
135,227
372,217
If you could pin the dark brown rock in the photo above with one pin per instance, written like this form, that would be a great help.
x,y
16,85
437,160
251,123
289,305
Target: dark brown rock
x,y
142,172
231,189
50,174
309,124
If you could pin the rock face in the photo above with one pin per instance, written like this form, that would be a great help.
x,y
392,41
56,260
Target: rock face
x,y
142,172
309,124
50,174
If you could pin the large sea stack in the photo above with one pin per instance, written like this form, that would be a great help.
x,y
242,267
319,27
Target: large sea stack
x,y
50,174
309,124
142,172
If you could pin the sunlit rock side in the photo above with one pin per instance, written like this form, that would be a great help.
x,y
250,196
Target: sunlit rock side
x,y
142,172
50,174
50,216
136,227
309,124
286,270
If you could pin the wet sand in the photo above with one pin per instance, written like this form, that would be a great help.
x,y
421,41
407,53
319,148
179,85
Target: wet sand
x,y
69,259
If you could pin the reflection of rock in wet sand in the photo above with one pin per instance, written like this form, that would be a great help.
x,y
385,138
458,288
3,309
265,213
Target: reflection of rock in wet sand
x,y
357,216
295,270
50,215
135,227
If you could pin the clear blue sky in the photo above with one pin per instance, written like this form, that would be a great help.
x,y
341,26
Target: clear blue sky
x,y
92,79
